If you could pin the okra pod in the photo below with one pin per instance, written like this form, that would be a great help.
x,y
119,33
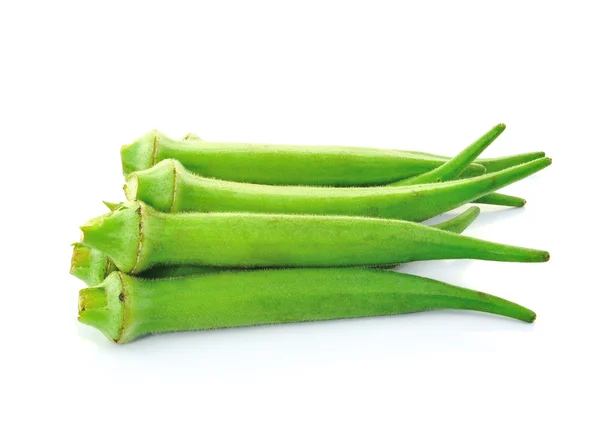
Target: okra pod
x,y
93,266
169,187
136,237
457,165
281,164
124,307
491,164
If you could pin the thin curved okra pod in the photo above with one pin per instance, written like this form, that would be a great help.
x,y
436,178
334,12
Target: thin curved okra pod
x,y
125,307
93,266
137,238
169,187
491,165
281,164
455,166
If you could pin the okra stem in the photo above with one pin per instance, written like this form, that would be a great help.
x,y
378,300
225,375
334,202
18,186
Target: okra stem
x,y
125,307
136,238
90,265
169,187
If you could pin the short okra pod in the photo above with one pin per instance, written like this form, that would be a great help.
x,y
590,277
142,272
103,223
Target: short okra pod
x,y
93,266
169,187
281,164
136,238
124,307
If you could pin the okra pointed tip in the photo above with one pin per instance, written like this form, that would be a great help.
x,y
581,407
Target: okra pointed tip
x,y
523,314
541,162
496,198
494,165
500,127
474,210
535,255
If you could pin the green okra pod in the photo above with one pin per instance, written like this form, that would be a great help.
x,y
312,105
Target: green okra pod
x,y
491,165
455,166
282,164
124,307
169,187
137,237
93,266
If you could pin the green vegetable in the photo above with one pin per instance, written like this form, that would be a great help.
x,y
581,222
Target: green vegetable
x,y
169,187
491,164
282,164
93,266
136,238
501,199
455,166
90,265
124,307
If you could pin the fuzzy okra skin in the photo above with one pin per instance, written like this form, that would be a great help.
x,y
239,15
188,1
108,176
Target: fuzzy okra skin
x,y
282,164
93,266
124,307
137,237
169,187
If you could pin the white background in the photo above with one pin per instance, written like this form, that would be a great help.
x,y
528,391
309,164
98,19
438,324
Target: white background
x,y
78,80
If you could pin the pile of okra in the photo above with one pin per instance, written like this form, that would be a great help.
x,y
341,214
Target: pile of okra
x,y
213,235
